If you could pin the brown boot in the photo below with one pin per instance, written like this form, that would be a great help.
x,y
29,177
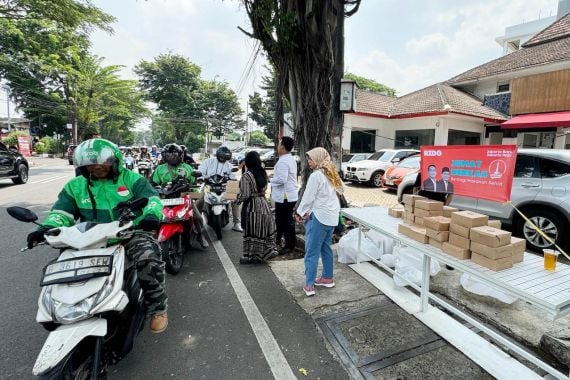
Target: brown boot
x,y
158,323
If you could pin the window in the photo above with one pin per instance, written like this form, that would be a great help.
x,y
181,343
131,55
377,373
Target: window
x,y
411,162
553,169
381,155
526,167
503,87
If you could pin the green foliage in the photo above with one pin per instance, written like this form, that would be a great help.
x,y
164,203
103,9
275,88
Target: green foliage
x,y
232,136
189,107
258,138
370,84
46,145
263,108
12,138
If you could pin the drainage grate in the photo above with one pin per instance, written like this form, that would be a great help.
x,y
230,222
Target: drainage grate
x,y
385,338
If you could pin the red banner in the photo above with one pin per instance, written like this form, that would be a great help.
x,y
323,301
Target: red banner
x,y
24,146
476,171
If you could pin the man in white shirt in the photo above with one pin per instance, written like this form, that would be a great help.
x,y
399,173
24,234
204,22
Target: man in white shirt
x,y
220,164
284,194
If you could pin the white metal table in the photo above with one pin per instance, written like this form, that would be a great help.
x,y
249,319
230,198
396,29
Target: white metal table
x,y
549,291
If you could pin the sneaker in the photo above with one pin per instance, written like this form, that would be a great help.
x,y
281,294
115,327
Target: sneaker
x,y
158,323
309,290
237,227
326,282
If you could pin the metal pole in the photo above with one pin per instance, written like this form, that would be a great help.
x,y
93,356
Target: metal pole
x,y
424,295
359,242
8,109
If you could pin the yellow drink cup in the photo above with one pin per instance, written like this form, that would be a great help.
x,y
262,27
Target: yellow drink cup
x,y
550,258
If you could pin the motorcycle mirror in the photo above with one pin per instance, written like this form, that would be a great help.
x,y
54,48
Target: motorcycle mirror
x,y
196,174
234,170
22,214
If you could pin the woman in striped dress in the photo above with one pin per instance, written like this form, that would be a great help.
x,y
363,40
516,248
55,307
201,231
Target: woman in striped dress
x,y
257,220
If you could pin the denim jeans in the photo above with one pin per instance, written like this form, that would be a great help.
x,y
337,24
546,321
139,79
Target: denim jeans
x,y
317,243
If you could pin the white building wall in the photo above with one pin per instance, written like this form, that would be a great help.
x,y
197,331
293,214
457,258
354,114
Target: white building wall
x,y
485,88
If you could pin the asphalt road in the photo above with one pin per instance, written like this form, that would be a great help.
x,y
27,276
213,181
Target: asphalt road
x,y
209,337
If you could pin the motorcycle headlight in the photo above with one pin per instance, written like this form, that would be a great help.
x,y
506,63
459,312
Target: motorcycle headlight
x,y
211,197
66,314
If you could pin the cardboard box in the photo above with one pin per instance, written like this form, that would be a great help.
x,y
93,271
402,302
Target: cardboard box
x,y
428,205
409,217
410,199
494,223
419,220
494,265
194,194
459,241
230,196
440,236
457,252
409,208
448,210
469,219
435,243
438,223
414,232
490,236
397,211
491,252
424,213
460,230
519,247
232,185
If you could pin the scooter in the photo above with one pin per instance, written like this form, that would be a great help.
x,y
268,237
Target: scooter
x,y
216,207
91,300
129,162
177,231
144,168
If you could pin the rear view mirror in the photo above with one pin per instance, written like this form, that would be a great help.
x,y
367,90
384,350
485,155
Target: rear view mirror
x,y
22,214
396,160
234,170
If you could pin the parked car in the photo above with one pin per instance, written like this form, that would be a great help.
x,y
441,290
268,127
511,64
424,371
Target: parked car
x,y
237,157
13,165
269,159
370,171
351,158
70,150
541,190
394,175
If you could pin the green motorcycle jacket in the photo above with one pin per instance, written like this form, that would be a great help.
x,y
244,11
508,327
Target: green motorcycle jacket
x,y
164,173
74,201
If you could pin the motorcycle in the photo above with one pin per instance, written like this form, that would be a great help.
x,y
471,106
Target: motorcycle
x,y
177,231
91,300
129,162
144,166
154,162
216,207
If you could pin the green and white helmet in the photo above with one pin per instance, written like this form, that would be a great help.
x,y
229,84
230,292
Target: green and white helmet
x,y
97,152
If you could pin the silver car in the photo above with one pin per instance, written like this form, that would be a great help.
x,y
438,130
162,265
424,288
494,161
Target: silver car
x,y
541,190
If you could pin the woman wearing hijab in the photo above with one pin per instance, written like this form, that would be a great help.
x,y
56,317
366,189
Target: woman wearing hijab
x,y
256,218
319,209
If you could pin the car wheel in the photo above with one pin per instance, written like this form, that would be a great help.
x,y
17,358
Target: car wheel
x,y
549,222
376,179
22,175
70,162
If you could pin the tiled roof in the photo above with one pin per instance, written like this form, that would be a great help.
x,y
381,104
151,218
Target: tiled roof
x,y
536,55
555,31
436,98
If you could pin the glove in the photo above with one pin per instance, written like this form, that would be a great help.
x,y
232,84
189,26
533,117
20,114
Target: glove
x,y
36,237
149,223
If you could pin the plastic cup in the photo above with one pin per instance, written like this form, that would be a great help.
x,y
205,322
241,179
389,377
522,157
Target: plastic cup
x,y
550,258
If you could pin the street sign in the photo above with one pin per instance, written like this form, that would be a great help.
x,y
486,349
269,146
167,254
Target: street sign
x,y
69,125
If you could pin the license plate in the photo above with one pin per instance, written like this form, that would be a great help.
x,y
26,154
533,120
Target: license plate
x,y
389,182
77,269
172,201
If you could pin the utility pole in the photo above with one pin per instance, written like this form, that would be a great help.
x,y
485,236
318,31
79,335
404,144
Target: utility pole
x,y
8,108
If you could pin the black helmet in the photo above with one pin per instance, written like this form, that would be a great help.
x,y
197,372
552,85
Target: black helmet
x,y
183,147
223,154
172,154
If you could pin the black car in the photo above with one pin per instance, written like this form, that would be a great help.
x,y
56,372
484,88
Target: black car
x,y
13,165
269,159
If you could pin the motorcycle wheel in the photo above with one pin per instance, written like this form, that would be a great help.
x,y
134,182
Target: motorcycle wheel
x,y
217,225
75,367
172,256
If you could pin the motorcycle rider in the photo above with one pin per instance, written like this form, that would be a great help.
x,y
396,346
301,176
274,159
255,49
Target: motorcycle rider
x,y
94,196
154,151
172,155
220,165
145,155
187,157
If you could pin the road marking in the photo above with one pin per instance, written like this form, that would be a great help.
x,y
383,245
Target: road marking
x,y
269,346
50,179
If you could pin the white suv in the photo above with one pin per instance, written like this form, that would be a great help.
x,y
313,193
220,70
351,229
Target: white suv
x,y
370,171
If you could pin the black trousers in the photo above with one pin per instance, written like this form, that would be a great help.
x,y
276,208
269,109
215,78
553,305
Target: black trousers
x,y
285,223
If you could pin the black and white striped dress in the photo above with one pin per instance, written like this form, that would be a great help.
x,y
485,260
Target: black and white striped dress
x,y
257,221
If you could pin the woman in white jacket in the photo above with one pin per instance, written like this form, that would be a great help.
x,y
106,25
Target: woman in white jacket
x,y
319,209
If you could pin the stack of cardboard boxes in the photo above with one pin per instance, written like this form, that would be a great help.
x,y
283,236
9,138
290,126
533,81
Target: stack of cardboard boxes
x,y
491,248
232,190
437,229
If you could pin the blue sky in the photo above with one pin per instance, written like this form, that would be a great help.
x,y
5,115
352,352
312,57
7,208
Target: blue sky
x,y
406,44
